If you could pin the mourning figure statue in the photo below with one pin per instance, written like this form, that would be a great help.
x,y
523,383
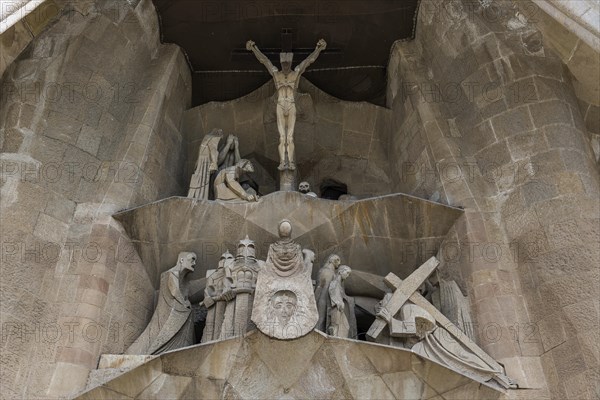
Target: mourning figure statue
x,y
206,165
342,320
229,155
171,326
324,278
227,183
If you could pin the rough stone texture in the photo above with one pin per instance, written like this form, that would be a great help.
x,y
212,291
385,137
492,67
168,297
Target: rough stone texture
x,y
16,38
483,115
355,230
578,56
315,366
487,118
89,124
334,139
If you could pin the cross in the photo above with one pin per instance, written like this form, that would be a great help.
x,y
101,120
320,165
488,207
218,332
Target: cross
x,y
407,290
402,292
287,35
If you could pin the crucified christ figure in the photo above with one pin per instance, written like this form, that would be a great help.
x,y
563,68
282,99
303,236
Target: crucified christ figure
x,y
286,83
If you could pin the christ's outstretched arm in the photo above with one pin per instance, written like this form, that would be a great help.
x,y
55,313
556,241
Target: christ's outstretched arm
x,y
321,45
250,45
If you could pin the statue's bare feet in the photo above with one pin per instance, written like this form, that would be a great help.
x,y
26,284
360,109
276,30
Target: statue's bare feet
x,y
292,166
282,167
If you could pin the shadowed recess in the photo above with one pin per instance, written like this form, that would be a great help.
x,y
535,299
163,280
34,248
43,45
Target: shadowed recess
x,y
360,34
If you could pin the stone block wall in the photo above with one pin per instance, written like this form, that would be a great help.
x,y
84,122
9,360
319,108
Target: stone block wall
x,y
17,37
577,54
334,139
90,124
495,114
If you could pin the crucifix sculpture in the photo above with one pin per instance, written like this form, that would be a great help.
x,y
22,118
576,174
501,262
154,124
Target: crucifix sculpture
x,y
286,83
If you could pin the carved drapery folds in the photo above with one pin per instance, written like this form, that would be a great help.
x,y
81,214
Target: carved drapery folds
x,y
171,326
285,306
213,157
414,323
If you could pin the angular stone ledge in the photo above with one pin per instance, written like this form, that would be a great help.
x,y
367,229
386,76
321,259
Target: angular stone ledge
x,y
114,365
393,233
315,366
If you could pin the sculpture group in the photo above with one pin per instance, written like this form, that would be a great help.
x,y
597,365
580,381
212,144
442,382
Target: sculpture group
x,y
277,296
219,159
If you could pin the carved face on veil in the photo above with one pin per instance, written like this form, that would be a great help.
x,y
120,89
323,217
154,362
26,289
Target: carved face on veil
x,y
283,305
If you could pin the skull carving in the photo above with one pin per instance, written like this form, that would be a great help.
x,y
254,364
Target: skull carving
x,y
304,187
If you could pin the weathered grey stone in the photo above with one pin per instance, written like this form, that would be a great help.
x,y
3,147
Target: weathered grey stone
x,y
320,366
196,224
493,157
512,122
550,112
227,183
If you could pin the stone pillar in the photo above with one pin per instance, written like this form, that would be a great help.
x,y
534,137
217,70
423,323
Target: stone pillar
x,y
288,181
80,284
503,137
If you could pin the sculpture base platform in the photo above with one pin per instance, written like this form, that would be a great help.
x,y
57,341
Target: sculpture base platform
x,y
220,369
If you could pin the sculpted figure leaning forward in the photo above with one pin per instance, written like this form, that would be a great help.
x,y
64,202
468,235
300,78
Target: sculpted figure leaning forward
x,y
227,183
286,83
172,324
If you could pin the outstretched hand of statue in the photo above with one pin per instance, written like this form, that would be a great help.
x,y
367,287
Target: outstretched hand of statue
x,y
228,295
250,45
321,44
385,314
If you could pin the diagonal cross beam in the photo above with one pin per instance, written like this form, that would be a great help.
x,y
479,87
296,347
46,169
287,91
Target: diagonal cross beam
x,y
402,293
442,320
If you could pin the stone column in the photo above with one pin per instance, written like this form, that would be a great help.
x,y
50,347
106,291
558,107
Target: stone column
x,y
88,293
502,132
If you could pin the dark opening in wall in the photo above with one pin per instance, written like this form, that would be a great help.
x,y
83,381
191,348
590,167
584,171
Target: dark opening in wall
x,y
332,189
364,320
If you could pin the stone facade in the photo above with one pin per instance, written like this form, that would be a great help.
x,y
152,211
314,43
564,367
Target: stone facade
x,y
489,109
578,54
90,124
